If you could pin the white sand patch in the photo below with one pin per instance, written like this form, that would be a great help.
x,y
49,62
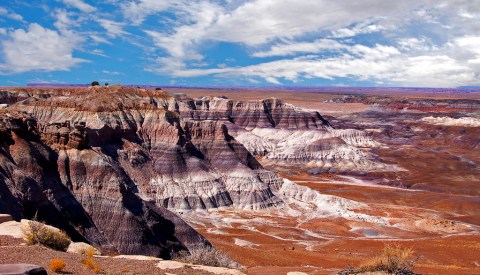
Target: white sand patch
x,y
448,121
244,243
170,265
216,270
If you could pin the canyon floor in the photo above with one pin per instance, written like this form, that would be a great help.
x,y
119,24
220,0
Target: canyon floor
x,y
430,203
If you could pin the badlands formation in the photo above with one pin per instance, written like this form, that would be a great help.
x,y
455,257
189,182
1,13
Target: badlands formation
x,y
138,171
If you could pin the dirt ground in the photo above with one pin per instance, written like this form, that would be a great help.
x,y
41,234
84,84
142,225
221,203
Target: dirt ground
x,y
436,210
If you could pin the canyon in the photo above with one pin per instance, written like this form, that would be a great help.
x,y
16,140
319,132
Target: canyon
x,y
321,180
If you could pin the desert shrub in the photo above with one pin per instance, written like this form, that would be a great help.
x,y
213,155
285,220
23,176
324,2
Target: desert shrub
x,y
394,260
95,83
57,265
89,261
205,255
89,252
39,233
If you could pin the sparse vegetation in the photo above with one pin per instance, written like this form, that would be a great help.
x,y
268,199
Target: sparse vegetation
x,y
89,252
89,261
39,233
205,255
57,265
95,83
394,260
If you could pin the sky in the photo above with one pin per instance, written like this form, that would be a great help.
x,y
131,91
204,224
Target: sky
x,y
411,43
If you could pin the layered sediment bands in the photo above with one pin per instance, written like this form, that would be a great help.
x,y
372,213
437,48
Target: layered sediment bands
x,y
208,169
267,113
176,162
83,191
283,134
30,183
122,156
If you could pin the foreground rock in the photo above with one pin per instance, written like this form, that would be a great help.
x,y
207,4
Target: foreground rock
x,y
21,269
81,248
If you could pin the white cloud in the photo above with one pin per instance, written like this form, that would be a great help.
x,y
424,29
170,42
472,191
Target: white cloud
x,y
137,11
79,4
293,47
261,22
113,28
415,44
183,42
98,52
356,30
39,49
303,28
99,39
3,31
381,64
10,14
111,72
64,20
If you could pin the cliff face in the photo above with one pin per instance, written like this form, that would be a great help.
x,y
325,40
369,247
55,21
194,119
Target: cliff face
x,y
82,190
106,163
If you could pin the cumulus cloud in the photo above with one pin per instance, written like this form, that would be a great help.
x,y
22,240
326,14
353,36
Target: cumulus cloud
x,y
79,4
285,28
38,49
409,42
378,64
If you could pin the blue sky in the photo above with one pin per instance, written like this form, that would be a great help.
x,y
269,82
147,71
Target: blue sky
x,y
422,43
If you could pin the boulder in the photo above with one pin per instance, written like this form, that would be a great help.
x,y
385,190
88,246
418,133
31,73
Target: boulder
x,y
21,269
11,228
81,248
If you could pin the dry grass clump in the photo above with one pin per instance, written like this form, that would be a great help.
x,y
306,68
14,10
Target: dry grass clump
x,y
39,233
89,261
57,265
205,255
394,260
89,252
